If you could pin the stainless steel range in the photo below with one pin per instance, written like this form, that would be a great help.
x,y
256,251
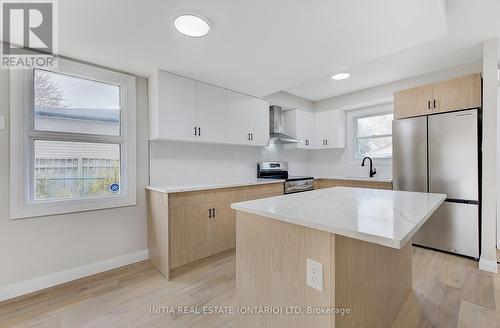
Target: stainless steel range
x,y
279,170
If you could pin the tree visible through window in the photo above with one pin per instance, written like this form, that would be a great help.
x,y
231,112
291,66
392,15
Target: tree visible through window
x,y
74,144
374,136
73,105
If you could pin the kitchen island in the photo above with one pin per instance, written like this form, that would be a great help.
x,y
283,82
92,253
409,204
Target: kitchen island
x,y
357,243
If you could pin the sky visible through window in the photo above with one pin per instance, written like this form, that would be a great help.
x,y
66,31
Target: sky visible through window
x,y
67,169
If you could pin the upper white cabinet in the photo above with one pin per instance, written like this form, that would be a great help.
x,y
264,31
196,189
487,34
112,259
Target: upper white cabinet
x,y
174,114
330,129
248,119
186,110
211,112
300,125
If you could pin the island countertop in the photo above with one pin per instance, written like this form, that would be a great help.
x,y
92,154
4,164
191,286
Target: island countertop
x,y
385,217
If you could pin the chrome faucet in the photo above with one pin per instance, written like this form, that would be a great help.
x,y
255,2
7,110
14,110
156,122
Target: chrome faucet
x,y
372,170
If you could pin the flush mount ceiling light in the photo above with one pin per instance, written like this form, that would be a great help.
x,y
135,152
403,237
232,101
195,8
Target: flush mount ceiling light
x,y
341,76
192,25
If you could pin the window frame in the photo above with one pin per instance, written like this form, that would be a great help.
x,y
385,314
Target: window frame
x,y
355,138
23,136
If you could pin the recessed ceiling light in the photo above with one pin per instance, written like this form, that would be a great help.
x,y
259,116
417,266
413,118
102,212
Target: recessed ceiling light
x,y
192,25
341,76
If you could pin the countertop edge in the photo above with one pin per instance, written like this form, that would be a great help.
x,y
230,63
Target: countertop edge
x,y
364,179
383,241
215,185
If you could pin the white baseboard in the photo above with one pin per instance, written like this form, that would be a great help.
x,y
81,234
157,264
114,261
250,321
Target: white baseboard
x,y
488,265
57,278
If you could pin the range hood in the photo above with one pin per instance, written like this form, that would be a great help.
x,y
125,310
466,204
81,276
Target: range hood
x,y
276,127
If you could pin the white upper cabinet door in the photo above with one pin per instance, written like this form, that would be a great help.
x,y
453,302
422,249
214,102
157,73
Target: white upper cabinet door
x,y
320,127
248,119
305,129
330,129
299,124
211,113
260,122
183,109
176,107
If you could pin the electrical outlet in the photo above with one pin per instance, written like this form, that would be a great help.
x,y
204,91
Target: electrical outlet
x,y
314,274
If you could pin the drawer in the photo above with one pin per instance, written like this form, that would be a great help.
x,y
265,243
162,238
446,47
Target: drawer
x,y
263,190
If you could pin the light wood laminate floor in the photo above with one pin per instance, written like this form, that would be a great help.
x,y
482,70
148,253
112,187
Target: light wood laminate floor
x,y
449,291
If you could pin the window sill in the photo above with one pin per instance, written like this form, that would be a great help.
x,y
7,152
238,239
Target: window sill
x,y
71,206
376,162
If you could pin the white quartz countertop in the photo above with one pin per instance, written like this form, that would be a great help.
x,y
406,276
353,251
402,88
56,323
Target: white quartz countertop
x,y
355,178
385,217
211,185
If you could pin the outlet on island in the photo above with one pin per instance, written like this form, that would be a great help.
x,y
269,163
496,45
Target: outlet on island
x,y
314,274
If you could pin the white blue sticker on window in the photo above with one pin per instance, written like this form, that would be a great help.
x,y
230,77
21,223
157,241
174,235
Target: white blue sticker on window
x,y
114,187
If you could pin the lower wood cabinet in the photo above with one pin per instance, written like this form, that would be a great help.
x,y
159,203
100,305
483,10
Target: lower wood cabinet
x,y
330,183
185,228
190,233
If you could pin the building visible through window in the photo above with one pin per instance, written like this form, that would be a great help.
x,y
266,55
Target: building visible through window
x,y
73,105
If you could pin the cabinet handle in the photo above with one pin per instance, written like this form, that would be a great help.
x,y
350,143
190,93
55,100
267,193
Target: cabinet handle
x,y
213,212
251,136
429,104
195,130
326,142
199,132
209,213
307,142
248,136
434,103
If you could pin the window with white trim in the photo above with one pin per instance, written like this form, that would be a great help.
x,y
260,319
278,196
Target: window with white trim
x,y
373,136
72,139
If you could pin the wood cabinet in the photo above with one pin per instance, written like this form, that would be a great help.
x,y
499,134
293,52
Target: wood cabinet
x,y
185,228
455,94
299,124
183,109
413,102
189,231
330,129
459,93
330,183
248,119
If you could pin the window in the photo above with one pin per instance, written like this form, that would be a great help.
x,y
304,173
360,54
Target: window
x,y
73,140
374,136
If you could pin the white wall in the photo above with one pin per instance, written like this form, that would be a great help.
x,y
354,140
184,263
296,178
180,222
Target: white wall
x,y
289,101
488,260
498,163
179,163
32,248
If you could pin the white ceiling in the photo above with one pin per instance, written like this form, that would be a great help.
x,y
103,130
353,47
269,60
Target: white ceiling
x,y
259,46
469,23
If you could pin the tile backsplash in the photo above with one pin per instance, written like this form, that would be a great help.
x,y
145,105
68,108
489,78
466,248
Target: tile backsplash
x,y
178,162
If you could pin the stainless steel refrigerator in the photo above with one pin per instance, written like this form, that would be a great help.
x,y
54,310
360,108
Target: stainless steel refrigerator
x,y
440,154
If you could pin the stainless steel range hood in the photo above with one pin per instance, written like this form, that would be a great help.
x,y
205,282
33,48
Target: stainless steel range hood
x,y
276,127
